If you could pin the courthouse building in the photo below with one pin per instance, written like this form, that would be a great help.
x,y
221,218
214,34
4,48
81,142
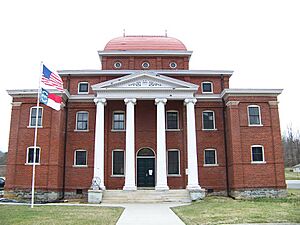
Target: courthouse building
x,y
146,121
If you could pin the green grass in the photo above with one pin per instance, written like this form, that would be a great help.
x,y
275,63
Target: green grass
x,y
58,215
290,175
222,210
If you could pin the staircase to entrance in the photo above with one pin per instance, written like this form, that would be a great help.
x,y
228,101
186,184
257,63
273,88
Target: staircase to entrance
x,y
145,196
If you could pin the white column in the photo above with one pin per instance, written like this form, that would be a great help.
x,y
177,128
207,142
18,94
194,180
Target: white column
x,y
99,143
161,180
193,183
130,146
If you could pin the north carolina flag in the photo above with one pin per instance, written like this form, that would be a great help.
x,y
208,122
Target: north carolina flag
x,y
51,80
51,100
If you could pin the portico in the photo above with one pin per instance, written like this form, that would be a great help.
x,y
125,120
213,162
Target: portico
x,y
133,89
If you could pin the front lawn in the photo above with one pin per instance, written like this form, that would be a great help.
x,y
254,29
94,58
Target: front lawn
x,y
222,210
290,175
58,215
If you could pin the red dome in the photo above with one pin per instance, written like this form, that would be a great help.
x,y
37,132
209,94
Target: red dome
x,y
144,43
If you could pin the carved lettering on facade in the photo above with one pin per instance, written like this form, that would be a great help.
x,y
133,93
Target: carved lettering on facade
x,y
144,83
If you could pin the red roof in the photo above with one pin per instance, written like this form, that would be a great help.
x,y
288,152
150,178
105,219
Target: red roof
x,y
144,43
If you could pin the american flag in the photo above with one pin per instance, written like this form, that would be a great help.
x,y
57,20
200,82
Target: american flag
x,y
51,80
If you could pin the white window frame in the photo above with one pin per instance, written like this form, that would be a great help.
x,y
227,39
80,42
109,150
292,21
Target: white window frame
x,y
112,163
263,154
173,175
86,155
216,157
178,129
214,120
212,87
33,126
28,163
259,111
113,121
78,90
76,128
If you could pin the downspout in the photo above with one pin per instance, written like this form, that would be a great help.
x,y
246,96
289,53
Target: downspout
x,y
225,137
65,140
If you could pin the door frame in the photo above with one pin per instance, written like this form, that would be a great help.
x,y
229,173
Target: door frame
x,y
147,157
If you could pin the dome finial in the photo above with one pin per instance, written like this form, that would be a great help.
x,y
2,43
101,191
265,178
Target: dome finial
x,y
166,33
124,33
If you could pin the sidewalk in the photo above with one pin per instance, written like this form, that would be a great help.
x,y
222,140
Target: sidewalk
x,y
148,214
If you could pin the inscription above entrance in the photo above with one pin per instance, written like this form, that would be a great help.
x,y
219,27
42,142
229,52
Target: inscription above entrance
x,y
144,83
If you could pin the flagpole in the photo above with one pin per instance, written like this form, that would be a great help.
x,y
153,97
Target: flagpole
x,y
35,136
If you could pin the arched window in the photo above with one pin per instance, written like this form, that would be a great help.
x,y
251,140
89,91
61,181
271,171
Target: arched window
x,y
145,152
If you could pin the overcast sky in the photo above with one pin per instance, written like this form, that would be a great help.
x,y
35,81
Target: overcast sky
x,y
258,39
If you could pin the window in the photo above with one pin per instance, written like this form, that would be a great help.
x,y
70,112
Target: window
x,y
173,162
118,162
83,88
33,116
118,65
30,155
172,120
145,65
118,121
257,152
82,121
80,158
210,157
173,65
208,120
207,87
254,118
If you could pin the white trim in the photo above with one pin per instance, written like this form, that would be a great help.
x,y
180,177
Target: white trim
x,y
259,112
173,72
78,88
86,158
211,86
173,175
33,126
112,163
39,161
216,157
263,155
76,128
214,120
250,92
112,121
143,52
178,129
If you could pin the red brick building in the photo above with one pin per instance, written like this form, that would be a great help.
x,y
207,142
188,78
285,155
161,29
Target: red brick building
x,y
146,120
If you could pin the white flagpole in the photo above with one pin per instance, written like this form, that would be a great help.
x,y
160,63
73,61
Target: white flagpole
x,y
35,136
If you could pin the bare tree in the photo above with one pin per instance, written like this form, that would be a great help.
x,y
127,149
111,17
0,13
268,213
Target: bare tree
x,y
291,145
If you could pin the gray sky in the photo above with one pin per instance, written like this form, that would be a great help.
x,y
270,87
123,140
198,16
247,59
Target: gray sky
x,y
258,39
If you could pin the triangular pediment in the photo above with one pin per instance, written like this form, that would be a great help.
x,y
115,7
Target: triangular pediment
x,y
144,81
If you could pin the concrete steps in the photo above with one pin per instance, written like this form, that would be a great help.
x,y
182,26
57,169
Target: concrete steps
x,y
145,196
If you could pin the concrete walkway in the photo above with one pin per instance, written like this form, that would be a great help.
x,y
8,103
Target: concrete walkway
x,y
148,214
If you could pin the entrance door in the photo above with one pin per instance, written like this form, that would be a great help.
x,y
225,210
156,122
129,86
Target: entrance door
x,y
145,168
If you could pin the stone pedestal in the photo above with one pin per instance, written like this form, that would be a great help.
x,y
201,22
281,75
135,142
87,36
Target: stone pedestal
x,y
197,194
95,196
